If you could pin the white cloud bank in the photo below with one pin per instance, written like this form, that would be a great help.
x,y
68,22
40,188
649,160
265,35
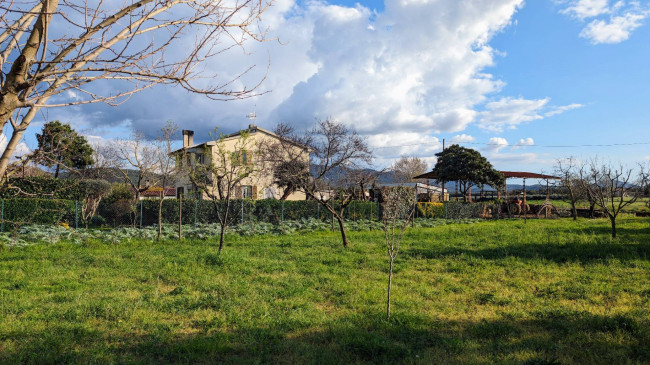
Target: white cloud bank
x,y
401,76
612,22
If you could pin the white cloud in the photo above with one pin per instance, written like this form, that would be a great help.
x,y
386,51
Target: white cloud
x,y
390,146
417,67
495,144
561,109
582,9
510,112
462,138
523,143
614,30
21,148
612,22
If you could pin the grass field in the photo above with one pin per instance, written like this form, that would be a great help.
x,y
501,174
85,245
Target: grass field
x,y
548,291
641,205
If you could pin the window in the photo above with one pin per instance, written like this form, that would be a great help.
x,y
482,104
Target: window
x,y
246,191
244,158
200,158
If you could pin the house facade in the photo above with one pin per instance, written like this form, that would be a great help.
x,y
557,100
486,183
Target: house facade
x,y
259,184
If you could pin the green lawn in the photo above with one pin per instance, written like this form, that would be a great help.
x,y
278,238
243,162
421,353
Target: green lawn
x,y
548,291
641,205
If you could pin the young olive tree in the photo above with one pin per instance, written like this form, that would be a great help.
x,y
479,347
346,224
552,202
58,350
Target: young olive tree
x,y
612,188
406,168
568,172
164,165
56,53
336,150
231,161
134,159
398,206
94,191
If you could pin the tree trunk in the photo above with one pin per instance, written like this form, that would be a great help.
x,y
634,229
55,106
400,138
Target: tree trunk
x,y
224,222
160,204
56,173
390,280
344,237
287,191
221,237
10,148
612,219
574,211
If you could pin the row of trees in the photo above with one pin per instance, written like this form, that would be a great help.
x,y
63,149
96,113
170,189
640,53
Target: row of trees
x,y
606,186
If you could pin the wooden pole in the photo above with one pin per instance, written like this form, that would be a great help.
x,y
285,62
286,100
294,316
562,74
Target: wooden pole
x,y
180,217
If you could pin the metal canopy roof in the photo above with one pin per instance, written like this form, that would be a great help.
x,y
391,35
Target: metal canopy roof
x,y
506,174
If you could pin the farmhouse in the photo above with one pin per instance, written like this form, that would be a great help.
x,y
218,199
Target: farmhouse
x,y
259,185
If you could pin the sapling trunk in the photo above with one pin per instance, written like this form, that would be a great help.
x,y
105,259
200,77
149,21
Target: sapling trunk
x,y
390,281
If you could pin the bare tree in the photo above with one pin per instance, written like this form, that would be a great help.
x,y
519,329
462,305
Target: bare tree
x,y
135,160
164,165
568,172
336,151
219,178
406,168
53,51
398,208
611,187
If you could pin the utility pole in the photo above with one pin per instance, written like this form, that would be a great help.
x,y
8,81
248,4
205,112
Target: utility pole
x,y
442,193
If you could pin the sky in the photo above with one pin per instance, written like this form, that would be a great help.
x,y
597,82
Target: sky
x,y
525,83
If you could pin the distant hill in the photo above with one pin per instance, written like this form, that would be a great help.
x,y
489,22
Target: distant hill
x,y
388,177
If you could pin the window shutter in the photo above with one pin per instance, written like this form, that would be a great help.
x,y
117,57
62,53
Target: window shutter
x,y
238,192
254,195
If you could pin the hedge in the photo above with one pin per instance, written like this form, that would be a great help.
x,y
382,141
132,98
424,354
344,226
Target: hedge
x,y
38,211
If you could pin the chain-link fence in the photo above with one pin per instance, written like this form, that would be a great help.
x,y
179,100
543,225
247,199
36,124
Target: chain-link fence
x,y
74,214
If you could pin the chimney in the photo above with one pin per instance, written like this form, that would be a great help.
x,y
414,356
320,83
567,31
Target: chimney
x,y
188,138
252,127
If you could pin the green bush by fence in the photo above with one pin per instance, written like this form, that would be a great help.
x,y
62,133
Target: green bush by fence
x,y
16,212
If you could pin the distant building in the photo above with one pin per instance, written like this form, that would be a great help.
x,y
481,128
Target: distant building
x,y
425,192
257,186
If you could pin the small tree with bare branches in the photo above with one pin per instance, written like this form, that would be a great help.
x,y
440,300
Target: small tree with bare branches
x,y
164,165
219,177
398,206
336,151
135,153
568,172
612,188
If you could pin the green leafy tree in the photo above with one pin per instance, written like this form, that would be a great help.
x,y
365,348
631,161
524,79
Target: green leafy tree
x,y
59,145
467,167
290,175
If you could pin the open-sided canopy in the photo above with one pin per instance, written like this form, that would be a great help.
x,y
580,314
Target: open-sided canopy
x,y
506,174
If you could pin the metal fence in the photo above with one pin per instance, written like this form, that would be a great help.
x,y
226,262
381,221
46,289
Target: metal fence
x,y
73,214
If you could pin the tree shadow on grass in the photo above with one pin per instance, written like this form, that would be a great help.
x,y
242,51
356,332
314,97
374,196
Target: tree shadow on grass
x,y
546,337
560,245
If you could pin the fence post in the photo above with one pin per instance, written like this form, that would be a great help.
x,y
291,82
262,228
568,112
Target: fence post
x,y
141,214
76,214
2,217
318,210
196,210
